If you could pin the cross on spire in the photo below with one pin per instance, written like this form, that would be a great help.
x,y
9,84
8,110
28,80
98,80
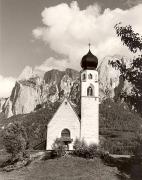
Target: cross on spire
x,y
89,45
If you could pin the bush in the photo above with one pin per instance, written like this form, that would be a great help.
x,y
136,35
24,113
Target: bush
x,y
15,140
58,148
81,149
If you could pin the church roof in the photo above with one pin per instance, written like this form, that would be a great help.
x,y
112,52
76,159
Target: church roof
x,y
73,106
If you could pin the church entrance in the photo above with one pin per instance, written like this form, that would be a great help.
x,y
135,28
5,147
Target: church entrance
x,y
66,138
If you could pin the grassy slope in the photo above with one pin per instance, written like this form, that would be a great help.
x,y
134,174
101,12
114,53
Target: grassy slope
x,y
118,126
34,122
64,169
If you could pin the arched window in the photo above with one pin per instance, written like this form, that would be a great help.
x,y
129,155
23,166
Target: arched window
x,y
84,77
65,133
89,91
90,76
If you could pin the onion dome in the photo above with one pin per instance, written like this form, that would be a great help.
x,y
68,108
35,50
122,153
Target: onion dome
x,y
89,61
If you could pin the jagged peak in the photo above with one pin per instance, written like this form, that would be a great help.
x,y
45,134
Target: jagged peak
x,y
27,73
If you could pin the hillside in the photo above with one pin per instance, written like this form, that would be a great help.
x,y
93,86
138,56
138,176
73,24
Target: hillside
x,y
35,123
65,169
33,102
119,128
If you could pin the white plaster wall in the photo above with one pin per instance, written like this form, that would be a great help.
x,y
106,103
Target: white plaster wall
x,y
65,117
90,109
90,120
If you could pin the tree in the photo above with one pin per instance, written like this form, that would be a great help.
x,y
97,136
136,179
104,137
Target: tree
x,y
132,74
15,140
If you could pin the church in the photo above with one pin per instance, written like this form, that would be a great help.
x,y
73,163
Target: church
x,y
66,124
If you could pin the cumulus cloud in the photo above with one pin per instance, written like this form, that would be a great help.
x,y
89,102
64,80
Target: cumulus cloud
x,y
6,85
52,63
47,65
68,30
132,3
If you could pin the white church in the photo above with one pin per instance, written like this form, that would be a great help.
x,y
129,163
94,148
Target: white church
x,y
66,124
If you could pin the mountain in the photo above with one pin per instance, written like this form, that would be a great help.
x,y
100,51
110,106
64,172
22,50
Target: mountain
x,y
34,101
111,84
32,91
26,73
2,101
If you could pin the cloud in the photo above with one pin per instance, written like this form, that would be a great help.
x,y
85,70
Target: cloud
x,y
26,73
52,63
68,30
132,3
6,85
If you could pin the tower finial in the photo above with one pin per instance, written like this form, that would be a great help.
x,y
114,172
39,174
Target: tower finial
x,y
89,45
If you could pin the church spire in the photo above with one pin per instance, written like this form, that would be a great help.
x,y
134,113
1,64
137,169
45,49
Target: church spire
x,y
89,61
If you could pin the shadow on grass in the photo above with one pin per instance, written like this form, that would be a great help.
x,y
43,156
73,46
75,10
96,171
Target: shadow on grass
x,y
129,168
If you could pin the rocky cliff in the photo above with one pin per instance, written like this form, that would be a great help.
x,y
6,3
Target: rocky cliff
x,y
34,92
30,94
110,82
2,102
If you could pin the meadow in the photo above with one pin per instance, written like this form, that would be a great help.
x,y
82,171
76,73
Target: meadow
x,y
72,168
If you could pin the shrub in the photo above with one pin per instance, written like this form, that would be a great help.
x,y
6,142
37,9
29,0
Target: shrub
x,y
81,149
58,148
15,140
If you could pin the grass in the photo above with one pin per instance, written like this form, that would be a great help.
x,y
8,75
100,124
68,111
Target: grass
x,y
3,157
72,168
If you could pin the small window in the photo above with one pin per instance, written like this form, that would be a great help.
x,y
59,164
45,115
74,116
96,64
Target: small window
x,y
84,77
89,91
90,76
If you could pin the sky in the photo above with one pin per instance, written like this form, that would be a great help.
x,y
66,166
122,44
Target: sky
x,y
46,34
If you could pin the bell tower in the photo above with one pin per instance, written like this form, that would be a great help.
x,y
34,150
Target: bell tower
x,y
89,99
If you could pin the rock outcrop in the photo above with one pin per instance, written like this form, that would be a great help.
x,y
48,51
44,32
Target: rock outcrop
x,y
30,94
7,108
110,82
26,73
24,98
2,102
